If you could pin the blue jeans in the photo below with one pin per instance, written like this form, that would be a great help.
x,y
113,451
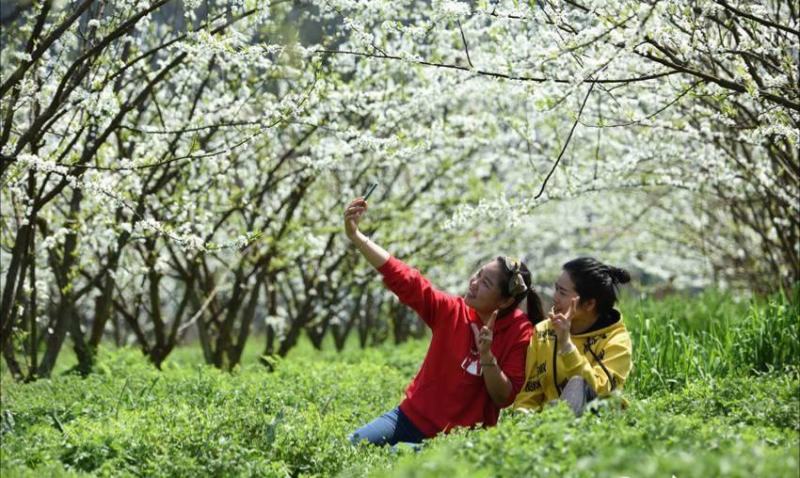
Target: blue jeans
x,y
388,429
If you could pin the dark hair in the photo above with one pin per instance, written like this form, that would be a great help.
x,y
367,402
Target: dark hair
x,y
595,280
535,310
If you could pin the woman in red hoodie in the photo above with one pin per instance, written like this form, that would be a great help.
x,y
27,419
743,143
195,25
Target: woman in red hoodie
x,y
475,363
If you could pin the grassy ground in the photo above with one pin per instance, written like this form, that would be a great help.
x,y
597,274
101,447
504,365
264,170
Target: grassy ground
x,y
715,392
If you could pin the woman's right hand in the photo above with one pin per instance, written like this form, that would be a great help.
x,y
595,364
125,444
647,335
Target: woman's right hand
x,y
352,215
375,254
562,323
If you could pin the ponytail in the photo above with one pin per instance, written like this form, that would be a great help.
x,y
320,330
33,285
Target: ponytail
x,y
519,277
619,276
595,280
535,309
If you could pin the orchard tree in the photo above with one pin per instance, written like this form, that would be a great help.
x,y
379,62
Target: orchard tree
x,y
679,120
172,168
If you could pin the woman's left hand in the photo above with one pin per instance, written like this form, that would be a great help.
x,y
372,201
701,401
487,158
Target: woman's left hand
x,y
484,335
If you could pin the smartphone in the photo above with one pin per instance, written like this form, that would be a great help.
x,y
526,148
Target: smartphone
x,y
369,191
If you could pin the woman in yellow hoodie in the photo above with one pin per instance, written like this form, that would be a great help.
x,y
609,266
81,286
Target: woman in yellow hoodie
x,y
582,350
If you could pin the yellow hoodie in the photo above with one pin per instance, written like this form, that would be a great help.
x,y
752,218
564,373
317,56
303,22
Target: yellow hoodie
x,y
602,357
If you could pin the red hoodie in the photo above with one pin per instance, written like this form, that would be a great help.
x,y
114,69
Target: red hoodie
x,y
448,390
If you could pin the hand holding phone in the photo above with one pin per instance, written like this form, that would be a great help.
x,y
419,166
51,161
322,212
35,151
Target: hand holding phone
x,y
369,191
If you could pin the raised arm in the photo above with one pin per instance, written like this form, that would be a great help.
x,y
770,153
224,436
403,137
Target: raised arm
x,y
375,254
407,283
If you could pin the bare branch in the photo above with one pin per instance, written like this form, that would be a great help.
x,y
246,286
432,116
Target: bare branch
x,y
43,46
760,20
493,73
731,85
566,143
650,116
466,46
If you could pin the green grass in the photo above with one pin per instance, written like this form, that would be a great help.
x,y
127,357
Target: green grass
x,y
679,340
715,392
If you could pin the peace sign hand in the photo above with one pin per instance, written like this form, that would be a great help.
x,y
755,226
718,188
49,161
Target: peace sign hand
x,y
562,323
484,336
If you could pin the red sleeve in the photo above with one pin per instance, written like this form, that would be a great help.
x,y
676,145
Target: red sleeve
x,y
414,290
513,364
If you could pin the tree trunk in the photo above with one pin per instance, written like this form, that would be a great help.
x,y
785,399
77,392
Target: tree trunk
x,y
65,309
248,314
272,310
82,351
15,275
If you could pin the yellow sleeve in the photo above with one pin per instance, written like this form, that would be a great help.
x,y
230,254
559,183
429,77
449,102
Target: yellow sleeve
x,y
532,394
615,355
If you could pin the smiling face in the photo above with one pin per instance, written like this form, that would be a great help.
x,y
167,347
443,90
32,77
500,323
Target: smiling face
x,y
564,293
484,292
